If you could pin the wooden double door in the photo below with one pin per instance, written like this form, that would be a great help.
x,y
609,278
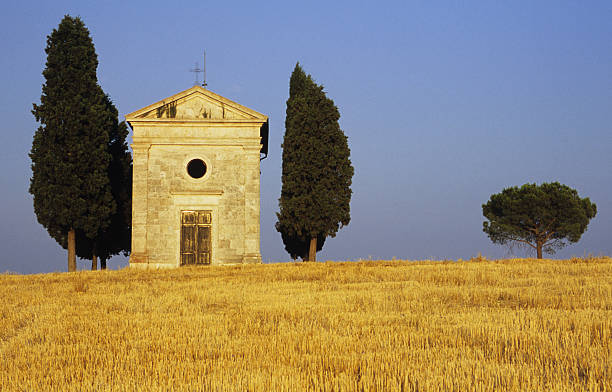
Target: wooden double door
x,y
196,233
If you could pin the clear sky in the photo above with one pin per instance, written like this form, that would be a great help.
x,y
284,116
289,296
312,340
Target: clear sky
x,y
444,104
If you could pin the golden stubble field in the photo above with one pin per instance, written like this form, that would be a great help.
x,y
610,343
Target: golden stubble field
x,y
360,326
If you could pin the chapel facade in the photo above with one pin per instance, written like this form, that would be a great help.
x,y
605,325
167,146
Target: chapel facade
x,y
196,169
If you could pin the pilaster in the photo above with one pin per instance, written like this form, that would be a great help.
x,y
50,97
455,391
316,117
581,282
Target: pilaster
x,y
140,202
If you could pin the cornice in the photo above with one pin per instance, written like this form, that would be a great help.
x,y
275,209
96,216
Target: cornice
x,y
169,122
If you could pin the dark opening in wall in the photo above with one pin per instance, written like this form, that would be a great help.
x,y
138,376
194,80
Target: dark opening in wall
x,y
196,168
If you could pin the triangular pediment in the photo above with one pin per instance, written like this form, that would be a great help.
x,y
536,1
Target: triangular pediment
x,y
196,104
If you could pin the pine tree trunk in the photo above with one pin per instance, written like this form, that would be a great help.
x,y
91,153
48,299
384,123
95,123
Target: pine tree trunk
x,y
102,264
71,251
312,254
539,249
94,262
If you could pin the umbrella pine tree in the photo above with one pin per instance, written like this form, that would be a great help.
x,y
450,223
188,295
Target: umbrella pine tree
x,y
543,217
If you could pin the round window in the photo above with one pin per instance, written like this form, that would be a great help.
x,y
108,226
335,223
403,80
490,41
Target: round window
x,y
196,168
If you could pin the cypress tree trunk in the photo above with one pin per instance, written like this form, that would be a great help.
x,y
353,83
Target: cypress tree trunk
x,y
312,254
71,251
103,264
94,262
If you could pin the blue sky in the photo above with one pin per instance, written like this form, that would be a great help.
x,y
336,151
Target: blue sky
x,y
444,104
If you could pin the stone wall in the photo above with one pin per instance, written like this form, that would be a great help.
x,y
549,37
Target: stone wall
x,y
195,124
162,188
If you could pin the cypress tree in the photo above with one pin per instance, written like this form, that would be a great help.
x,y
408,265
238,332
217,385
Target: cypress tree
x,y
317,171
70,158
116,238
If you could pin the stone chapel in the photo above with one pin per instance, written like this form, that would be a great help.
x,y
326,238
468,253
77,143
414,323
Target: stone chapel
x,y
195,195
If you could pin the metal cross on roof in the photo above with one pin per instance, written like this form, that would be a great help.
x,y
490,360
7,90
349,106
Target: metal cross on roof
x,y
197,71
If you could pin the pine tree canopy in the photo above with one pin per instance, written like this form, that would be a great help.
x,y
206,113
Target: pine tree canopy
x,y
544,217
316,171
70,151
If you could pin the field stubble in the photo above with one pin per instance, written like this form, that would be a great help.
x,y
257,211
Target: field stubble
x,y
373,326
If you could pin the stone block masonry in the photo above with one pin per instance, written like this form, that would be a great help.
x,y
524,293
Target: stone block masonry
x,y
195,152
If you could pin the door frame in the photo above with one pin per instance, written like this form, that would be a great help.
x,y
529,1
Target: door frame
x,y
197,226
194,201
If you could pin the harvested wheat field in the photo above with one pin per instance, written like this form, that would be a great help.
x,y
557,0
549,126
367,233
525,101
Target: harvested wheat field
x,y
373,326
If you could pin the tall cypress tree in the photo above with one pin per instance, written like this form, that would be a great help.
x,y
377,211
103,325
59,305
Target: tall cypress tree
x,y
70,158
317,171
116,238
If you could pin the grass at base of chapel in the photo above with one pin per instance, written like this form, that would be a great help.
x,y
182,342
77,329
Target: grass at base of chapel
x,y
477,325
